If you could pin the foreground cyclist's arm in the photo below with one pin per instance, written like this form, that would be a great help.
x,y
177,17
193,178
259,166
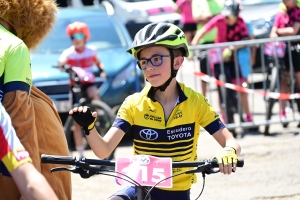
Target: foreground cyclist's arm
x,y
31,184
101,146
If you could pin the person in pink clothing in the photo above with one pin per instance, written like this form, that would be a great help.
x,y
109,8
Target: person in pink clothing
x,y
287,23
230,28
189,25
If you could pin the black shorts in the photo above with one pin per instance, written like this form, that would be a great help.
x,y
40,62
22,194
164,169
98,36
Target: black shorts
x,y
204,64
295,52
189,27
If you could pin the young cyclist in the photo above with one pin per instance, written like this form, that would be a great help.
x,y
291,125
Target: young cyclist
x,y
287,23
80,55
160,49
29,181
230,27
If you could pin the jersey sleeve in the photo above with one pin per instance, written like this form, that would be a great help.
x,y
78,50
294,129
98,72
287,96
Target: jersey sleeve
x,y
297,14
212,23
12,152
63,58
277,20
124,119
17,73
208,117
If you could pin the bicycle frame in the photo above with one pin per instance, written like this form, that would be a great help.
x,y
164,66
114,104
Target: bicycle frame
x,y
77,85
83,167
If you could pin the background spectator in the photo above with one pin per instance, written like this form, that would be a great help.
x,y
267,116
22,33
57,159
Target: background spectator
x,y
189,26
203,11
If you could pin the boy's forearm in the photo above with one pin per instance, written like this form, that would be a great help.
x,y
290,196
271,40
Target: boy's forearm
x,y
98,144
233,143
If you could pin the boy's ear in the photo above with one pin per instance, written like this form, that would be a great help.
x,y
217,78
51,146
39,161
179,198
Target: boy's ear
x,y
178,62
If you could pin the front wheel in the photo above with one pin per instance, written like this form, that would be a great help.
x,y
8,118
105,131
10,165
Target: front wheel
x,y
103,123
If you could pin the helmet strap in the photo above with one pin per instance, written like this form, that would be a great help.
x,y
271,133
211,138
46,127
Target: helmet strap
x,y
163,87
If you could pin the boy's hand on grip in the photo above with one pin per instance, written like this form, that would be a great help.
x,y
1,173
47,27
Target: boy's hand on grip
x,y
227,160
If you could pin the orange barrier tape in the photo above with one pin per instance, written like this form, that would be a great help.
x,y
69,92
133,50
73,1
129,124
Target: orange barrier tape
x,y
274,95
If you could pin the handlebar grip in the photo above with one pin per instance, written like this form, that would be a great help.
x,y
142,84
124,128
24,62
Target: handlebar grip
x,y
240,162
53,159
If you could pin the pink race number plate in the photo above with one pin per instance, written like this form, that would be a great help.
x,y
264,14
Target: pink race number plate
x,y
144,169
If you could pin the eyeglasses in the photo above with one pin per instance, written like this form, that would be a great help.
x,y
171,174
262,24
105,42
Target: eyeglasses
x,y
155,60
77,36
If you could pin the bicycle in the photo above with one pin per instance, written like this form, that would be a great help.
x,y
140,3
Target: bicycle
x,y
105,118
274,53
90,167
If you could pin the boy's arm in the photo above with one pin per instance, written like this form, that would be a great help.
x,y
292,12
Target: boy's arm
x,y
225,139
31,183
103,147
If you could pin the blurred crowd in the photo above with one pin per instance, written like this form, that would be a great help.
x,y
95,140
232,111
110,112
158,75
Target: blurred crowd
x,y
218,21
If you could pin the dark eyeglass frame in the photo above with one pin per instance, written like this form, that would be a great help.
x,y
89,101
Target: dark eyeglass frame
x,y
150,60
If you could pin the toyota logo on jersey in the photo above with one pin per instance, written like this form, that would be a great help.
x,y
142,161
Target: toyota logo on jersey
x,y
148,134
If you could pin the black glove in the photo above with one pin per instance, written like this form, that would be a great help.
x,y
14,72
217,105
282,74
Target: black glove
x,y
85,120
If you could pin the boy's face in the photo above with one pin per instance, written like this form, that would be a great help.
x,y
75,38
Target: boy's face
x,y
78,40
156,75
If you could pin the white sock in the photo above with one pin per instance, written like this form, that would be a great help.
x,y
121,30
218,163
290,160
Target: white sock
x,y
80,149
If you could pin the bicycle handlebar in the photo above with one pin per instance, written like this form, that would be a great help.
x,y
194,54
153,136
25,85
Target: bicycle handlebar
x,y
84,168
71,160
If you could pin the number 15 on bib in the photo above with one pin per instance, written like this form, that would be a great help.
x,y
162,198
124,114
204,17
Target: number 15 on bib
x,y
144,169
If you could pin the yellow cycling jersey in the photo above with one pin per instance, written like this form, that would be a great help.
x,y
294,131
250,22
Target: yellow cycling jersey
x,y
175,137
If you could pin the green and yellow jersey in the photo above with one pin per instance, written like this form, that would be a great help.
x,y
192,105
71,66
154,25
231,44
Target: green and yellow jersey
x,y
15,72
175,137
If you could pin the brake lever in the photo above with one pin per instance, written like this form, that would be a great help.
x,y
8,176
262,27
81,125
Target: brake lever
x,y
200,168
84,173
70,169
211,171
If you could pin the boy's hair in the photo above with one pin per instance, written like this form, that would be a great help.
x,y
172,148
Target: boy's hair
x,y
177,52
31,19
